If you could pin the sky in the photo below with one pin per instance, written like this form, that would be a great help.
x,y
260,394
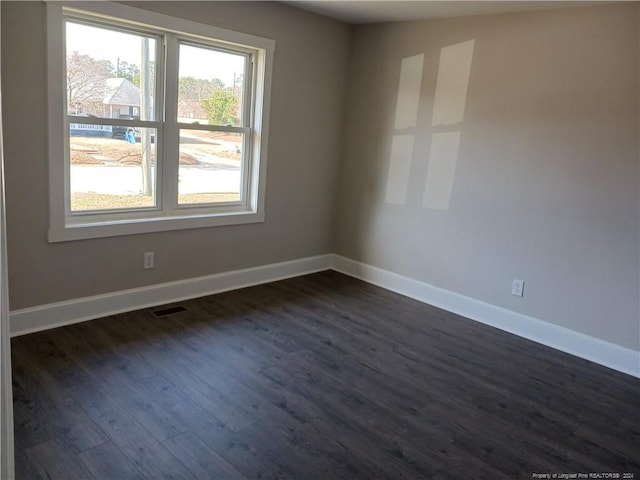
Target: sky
x,y
104,44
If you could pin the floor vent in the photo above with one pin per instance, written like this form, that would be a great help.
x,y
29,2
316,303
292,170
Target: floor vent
x,y
169,311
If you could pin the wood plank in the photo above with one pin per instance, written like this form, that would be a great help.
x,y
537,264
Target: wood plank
x,y
44,409
131,438
321,376
200,459
54,460
107,461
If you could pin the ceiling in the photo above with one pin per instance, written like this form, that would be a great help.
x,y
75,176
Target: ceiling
x,y
375,11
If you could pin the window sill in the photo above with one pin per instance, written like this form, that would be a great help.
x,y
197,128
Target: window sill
x,y
88,230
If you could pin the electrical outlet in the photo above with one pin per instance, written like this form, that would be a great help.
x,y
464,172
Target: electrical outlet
x,y
517,288
149,260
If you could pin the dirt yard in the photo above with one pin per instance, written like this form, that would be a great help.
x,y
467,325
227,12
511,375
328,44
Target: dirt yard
x,y
96,201
197,147
99,151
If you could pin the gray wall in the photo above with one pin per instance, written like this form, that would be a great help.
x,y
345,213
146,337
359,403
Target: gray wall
x,y
309,84
546,183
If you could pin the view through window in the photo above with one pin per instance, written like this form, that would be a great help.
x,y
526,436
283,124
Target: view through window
x,y
212,98
160,121
111,77
156,123
116,125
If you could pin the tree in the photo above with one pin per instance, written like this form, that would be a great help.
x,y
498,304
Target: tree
x,y
191,88
130,71
221,108
86,83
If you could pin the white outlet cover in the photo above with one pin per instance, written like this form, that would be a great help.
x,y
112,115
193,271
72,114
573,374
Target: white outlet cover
x,y
149,260
517,288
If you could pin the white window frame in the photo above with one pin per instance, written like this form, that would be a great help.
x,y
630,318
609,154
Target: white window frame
x,y
66,225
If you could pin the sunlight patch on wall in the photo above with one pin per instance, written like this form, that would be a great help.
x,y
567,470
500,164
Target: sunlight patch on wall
x,y
409,92
441,170
407,103
399,168
452,83
449,104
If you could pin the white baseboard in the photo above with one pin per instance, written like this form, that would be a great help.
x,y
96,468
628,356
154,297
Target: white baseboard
x,y
54,315
590,348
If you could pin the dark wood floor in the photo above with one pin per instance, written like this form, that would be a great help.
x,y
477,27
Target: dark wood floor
x,y
317,377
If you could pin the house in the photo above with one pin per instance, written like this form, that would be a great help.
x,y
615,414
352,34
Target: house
x,y
191,111
442,158
121,98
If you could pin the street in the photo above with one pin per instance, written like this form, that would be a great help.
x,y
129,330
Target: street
x,y
127,179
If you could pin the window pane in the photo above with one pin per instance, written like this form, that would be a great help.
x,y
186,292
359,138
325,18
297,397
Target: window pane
x,y
112,167
210,86
110,74
210,167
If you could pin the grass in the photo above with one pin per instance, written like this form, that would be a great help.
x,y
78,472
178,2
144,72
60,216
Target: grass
x,y
101,201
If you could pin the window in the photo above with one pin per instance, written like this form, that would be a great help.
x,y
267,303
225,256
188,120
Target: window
x,y
155,123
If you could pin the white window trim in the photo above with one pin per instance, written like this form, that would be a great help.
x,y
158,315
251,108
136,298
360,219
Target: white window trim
x,y
64,227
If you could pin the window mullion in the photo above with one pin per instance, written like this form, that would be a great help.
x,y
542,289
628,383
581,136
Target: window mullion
x,y
248,106
214,128
112,121
171,143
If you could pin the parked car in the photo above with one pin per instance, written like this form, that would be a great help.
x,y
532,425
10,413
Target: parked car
x,y
119,131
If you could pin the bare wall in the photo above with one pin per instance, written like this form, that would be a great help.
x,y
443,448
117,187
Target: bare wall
x,y
309,83
521,161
